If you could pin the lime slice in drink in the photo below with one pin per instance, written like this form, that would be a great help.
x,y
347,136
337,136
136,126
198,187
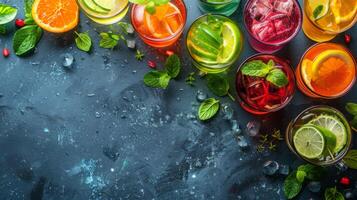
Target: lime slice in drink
x,y
309,142
319,8
231,42
335,126
105,4
94,7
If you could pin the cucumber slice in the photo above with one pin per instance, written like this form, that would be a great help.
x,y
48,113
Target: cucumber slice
x,y
94,7
105,4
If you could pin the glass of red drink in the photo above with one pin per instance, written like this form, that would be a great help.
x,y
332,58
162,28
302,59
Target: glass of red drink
x,y
272,23
265,84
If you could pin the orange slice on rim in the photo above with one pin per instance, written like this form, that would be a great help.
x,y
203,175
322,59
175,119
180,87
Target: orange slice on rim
x,y
56,16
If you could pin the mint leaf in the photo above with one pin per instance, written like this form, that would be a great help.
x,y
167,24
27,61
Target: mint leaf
x,y
217,85
271,63
300,176
150,7
7,14
108,40
26,39
318,11
354,123
333,194
256,68
157,79
208,109
28,12
351,159
2,29
292,186
351,108
313,173
83,41
173,66
278,78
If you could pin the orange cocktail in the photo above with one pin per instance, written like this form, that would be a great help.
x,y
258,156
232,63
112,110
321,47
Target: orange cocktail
x,y
326,70
162,28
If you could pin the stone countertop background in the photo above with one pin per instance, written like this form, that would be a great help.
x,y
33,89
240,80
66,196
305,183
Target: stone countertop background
x,y
96,132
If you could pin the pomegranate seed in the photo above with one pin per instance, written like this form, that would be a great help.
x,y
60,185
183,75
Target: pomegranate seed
x,y
152,64
19,23
169,53
345,181
348,38
5,52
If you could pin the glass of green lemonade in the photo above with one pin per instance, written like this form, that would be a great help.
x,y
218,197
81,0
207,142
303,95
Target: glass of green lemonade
x,y
223,7
214,43
104,12
320,135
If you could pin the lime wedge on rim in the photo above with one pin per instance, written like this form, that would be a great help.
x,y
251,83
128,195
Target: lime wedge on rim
x,y
334,125
231,42
319,8
309,142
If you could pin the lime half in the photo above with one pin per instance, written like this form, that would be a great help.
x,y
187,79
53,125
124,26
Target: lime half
x,y
231,42
309,142
334,125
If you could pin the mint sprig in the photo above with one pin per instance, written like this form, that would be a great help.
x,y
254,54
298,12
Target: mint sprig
x,y
7,13
208,109
161,79
26,39
269,71
150,5
333,194
294,182
83,41
351,159
352,109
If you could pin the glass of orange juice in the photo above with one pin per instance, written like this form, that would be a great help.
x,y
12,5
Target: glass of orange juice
x,y
326,71
324,19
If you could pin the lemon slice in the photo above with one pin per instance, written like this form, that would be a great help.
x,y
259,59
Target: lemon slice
x,y
231,42
344,13
309,142
319,8
324,56
334,125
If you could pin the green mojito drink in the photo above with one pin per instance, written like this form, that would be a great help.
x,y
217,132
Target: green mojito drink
x,y
214,43
223,7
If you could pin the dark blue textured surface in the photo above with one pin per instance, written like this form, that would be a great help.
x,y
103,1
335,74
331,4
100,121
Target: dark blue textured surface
x,y
97,132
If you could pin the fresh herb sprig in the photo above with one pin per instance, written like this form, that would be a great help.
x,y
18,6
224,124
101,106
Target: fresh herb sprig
x,y
333,194
83,41
269,71
294,182
161,79
351,159
218,84
190,80
111,39
150,5
7,14
208,109
139,55
352,109
269,141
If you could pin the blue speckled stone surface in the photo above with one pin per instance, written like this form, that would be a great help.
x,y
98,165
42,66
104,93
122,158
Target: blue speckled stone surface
x,y
96,132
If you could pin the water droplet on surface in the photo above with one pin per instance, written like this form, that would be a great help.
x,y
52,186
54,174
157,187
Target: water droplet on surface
x,y
235,127
242,142
131,44
253,128
284,170
46,130
68,60
98,115
270,167
227,112
314,186
200,96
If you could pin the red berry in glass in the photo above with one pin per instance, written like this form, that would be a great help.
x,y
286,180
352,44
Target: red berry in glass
x,y
267,86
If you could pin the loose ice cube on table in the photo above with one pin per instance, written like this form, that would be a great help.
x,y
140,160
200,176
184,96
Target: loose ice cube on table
x,y
284,6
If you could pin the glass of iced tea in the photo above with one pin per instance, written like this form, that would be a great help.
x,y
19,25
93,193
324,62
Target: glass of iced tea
x,y
326,71
324,19
320,135
272,23
265,84
164,27
223,7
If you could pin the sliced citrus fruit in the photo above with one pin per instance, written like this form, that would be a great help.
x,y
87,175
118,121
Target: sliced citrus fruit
x,y
306,72
342,12
56,16
334,125
309,142
231,42
319,8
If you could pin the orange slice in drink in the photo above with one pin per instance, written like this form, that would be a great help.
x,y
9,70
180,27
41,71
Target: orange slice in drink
x,y
306,72
56,16
332,71
344,11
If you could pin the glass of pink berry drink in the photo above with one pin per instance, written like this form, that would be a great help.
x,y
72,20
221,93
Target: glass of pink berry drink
x,y
272,23
265,84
